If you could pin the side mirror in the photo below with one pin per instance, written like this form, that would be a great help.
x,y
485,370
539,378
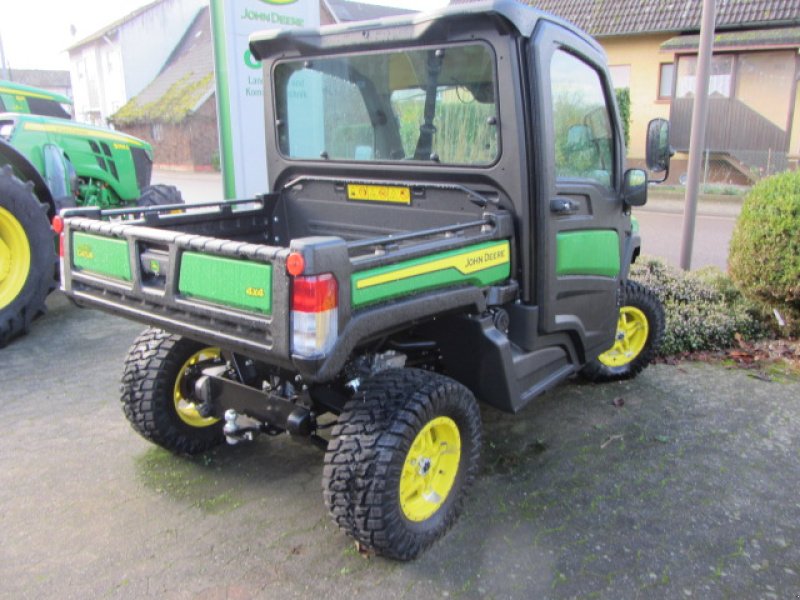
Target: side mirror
x,y
634,187
658,149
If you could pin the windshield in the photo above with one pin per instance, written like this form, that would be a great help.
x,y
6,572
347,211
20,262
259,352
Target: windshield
x,y
434,105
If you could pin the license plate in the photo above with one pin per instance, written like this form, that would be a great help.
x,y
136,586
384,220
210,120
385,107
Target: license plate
x,y
379,193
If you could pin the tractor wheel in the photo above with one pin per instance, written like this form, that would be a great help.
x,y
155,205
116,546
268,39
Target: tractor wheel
x,y
640,329
159,195
27,256
403,454
157,383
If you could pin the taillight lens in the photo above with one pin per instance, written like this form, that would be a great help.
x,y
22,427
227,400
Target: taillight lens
x,y
58,226
315,315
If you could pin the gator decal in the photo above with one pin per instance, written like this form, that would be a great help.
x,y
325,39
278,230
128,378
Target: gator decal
x,y
593,252
83,132
101,255
379,193
231,282
480,265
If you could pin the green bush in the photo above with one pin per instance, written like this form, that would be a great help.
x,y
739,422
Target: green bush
x,y
704,310
764,258
624,105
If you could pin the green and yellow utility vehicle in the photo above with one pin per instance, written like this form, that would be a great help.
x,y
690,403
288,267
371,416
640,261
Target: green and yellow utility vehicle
x,y
47,163
448,222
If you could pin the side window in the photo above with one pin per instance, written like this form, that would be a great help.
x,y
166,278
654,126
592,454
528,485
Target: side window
x,y
584,139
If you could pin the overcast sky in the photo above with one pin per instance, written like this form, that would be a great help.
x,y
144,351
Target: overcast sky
x,y
35,33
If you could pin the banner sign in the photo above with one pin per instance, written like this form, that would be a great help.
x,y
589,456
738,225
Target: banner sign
x,y
240,85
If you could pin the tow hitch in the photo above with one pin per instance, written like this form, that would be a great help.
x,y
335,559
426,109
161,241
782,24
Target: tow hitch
x,y
248,411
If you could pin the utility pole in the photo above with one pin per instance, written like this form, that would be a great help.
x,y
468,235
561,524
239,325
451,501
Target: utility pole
x,y
3,65
698,135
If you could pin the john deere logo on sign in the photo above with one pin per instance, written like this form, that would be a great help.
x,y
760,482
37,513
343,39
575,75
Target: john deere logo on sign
x,y
279,1
85,251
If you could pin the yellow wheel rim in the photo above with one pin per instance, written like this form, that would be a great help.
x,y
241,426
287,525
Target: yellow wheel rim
x,y
15,257
632,331
430,469
186,409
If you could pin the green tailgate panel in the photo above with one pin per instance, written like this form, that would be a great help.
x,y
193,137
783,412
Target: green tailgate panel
x,y
236,283
593,252
101,255
481,264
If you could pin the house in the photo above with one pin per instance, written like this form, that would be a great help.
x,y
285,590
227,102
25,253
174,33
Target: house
x,y
754,112
176,111
114,64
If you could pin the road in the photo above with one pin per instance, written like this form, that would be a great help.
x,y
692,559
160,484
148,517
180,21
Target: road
x,y
661,221
679,484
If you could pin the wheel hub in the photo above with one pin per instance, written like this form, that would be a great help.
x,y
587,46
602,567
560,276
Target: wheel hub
x,y
430,469
631,338
15,257
184,407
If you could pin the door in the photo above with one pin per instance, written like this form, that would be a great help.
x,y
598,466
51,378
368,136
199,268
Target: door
x,y
577,170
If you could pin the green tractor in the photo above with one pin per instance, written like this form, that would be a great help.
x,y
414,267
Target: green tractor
x,y
49,162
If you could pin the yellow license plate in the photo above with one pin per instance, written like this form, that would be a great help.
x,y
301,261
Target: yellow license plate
x,y
379,193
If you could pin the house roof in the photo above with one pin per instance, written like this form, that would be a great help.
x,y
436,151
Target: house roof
x,y
42,78
346,10
113,26
780,37
182,86
626,17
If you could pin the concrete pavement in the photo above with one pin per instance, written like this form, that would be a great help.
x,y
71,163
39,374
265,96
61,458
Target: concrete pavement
x,y
680,484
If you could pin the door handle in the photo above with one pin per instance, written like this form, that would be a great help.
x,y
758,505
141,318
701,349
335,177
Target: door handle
x,y
564,206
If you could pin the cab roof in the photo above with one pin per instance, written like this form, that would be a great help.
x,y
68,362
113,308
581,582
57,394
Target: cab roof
x,y
507,14
19,89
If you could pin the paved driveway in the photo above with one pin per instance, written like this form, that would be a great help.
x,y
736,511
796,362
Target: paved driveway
x,y
690,489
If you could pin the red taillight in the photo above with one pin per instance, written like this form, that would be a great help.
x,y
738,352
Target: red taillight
x,y
315,294
58,226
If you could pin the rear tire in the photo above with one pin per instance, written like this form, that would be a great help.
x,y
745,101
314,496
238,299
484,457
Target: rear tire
x,y
157,384
160,195
403,454
27,256
640,329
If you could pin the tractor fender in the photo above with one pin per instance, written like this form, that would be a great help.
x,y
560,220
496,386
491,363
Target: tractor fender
x,y
27,172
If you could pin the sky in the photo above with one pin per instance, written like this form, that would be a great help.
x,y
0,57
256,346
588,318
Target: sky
x,y
36,33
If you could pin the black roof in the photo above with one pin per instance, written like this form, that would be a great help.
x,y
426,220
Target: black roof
x,y
521,17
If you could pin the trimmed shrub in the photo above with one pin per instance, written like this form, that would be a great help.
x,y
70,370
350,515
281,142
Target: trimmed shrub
x,y
704,310
764,259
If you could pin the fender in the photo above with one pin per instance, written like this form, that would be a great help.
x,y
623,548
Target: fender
x,y
27,172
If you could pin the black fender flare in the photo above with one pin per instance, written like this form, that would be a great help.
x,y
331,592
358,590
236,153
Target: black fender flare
x,y
25,170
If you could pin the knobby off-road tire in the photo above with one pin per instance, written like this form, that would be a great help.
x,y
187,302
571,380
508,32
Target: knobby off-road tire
x,y
159,373
403,454
28,259
640,329
159,195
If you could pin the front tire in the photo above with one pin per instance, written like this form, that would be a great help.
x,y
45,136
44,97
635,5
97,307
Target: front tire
x,y
640,329
157,384
403,454
27,256
160,194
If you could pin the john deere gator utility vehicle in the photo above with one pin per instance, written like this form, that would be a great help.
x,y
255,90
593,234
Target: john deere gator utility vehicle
x,y
48,162
447,221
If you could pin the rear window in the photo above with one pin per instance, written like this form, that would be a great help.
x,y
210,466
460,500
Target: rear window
x,y
436,105
47,108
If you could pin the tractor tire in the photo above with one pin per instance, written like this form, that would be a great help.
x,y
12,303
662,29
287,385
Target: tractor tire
x,y
157,382
28,261
402,456
160,195
640,329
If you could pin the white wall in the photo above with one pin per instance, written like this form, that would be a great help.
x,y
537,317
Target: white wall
x,y
148,40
